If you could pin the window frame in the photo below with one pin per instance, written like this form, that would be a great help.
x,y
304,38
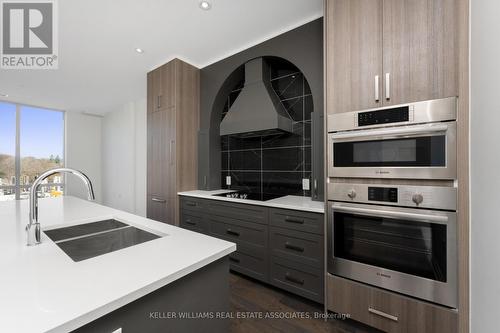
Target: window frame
x,y
17,158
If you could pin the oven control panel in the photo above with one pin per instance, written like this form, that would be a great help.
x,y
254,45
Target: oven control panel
x,y
386,194
434,197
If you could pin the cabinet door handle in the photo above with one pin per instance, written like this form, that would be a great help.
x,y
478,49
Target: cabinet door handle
x,y
315,186
290,278
382,314
192,204
233,233
236,260
158,200
158,101
188,221
294,247
171,153
387,86
292,220
377,94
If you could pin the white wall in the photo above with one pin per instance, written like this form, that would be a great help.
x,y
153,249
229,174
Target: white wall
x,y
124,158
485,166
83,152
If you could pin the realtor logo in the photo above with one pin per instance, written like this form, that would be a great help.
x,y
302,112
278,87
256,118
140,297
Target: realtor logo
x,y
29,34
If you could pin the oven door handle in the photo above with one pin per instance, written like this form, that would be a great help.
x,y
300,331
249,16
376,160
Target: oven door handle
x,y
388,132
390,214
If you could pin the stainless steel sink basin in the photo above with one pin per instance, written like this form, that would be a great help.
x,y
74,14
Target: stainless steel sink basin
x,y
90,240
83,229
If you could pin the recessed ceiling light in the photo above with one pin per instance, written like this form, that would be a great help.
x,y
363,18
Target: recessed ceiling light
x,y
4,95
205,5
138,50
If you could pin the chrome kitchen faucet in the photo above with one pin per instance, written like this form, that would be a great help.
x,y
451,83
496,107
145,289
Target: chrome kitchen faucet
x,y
33,227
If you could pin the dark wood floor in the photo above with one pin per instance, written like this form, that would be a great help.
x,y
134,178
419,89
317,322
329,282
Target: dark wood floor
x,y
249,296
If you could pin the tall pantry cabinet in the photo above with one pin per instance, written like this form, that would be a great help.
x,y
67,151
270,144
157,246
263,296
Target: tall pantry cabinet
x,y
389,52
172,127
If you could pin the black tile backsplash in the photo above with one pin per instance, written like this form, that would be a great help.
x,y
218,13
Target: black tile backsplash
x,y
249,181
289,86
295,107
273,164
283,159
285,183
245,160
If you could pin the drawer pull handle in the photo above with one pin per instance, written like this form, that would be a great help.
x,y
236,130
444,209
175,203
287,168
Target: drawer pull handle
x,y
192,204
292,220
233,233
158,200
236,260
188,221
383,314
294,247
293,279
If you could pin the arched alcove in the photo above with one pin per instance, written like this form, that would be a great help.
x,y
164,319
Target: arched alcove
x,y
303,47
274,165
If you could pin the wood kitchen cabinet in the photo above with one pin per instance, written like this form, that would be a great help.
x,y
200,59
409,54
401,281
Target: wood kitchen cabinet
x,y
161,87
388,311
278,246
354,54
387,52
173,121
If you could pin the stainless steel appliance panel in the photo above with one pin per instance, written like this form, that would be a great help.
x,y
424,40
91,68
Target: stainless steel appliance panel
x,y
437,110
398,168
408,141
430,197
428,276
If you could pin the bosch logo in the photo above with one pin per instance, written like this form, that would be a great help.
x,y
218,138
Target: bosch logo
x,y
383,275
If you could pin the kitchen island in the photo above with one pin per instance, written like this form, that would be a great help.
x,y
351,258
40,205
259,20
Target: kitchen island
x,y
43,290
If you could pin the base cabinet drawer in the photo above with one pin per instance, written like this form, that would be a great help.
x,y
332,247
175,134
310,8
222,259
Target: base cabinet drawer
x,y
298,246
193,221
250,261
296,278
238,231
387,311
193,204
241,212
300,221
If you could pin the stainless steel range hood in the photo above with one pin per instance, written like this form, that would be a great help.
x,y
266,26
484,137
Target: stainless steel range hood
x,y
257,111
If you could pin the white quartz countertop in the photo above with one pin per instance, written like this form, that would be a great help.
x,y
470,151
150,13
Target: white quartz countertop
x,y
287,202
44,290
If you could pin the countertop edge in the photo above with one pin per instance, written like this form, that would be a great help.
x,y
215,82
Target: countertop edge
x,y
135,295
255,202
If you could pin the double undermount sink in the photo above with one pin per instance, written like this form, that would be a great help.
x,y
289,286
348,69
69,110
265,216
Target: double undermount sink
x,y
85,241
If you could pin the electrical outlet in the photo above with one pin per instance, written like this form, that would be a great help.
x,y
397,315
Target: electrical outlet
x,y
228,180
306,186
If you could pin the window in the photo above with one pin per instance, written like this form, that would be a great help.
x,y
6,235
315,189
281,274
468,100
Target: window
x,y
31,142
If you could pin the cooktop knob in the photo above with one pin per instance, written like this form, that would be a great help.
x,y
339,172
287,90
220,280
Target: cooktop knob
x,y
351,194
417,198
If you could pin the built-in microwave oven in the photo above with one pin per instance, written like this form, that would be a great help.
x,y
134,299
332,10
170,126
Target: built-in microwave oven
x,y
416,140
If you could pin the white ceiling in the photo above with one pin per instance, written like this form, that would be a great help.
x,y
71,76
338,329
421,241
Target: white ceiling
x,y
99,69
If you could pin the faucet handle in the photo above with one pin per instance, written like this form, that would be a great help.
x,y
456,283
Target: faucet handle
x,y
33,232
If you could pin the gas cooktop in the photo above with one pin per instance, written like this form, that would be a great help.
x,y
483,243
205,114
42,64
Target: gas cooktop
x,y
249,195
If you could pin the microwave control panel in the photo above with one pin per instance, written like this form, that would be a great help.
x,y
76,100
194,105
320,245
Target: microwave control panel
x,y
388,116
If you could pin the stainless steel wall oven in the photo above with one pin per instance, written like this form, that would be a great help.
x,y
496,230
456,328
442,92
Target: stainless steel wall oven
x,y
402,238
